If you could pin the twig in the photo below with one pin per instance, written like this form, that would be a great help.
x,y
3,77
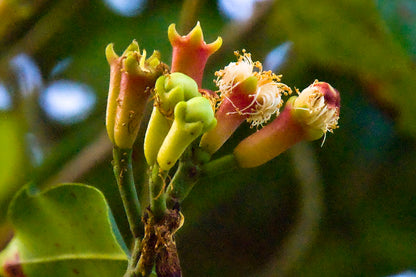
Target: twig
x,y
40,34
306,228
188,16
82,163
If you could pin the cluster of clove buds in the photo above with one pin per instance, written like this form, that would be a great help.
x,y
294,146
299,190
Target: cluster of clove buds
x,y
189,124
183,111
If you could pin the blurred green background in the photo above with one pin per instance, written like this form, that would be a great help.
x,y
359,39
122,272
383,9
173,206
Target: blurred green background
x,y
345,209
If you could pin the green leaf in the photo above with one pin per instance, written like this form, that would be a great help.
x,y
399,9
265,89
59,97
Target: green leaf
x,y
12,159
63,231
349,37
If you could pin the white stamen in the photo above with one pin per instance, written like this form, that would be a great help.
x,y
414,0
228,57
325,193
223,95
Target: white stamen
x,y
320,116
267,98
234,73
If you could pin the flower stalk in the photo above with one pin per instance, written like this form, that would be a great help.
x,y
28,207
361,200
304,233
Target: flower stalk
x,y
219,166
185,178
157,187
123,171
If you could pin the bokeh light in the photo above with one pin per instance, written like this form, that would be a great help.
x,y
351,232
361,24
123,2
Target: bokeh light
x,y
126,7
5,98
28,74
405,274
276,58
60,67
35,149
239,10
67,102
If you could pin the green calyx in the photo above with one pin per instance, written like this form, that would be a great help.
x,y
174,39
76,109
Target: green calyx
x,y
192,119
171,89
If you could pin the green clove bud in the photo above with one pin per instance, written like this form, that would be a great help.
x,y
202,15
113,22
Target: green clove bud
x,y
169,91
192,119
